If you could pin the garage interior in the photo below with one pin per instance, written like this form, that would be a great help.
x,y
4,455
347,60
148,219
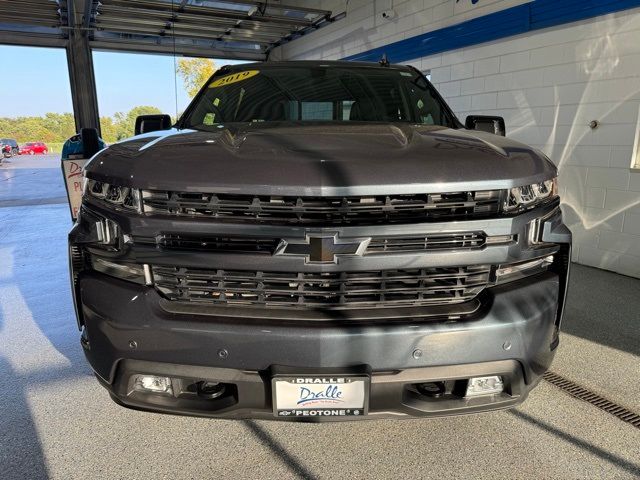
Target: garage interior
x,y
550,70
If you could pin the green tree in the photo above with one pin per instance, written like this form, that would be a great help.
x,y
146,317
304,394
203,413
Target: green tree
x,y
108,129
125,123
61,125
58,127
25,129
194,73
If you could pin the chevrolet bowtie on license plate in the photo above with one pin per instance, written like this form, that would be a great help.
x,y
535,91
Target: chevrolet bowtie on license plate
x,y
331,396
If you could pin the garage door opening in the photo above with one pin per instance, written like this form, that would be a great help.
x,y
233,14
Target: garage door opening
x,y
130,84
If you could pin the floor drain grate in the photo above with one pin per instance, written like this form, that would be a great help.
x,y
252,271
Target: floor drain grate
x,y
594,399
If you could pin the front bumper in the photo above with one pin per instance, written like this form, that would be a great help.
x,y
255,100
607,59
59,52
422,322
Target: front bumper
x,y
127,331
130,329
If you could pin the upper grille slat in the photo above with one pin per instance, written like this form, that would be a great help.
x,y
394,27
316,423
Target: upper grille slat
x,y
224,244
452,241
268,245
324,210
377,289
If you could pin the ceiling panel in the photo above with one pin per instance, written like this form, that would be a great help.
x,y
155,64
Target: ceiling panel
x,y
242,29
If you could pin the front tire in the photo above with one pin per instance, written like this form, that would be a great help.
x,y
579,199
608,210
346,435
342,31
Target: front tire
x,y
31,152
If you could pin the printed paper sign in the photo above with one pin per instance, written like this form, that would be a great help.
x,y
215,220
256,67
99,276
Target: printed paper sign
x,y
73,179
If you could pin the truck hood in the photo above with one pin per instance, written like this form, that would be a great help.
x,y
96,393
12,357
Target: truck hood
x,y
320,159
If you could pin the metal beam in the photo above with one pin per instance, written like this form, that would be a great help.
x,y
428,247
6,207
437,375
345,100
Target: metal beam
x,y
31,39
71,14
81,75
182,31
283,7
118,13
88,10
165,46
199,11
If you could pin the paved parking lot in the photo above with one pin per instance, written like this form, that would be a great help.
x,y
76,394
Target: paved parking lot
x,y
31,180
57,422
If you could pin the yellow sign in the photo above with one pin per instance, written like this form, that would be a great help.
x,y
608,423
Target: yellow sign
x,y
236,77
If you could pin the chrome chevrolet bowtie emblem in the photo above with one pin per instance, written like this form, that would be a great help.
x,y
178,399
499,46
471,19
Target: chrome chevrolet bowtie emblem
x,y
319,248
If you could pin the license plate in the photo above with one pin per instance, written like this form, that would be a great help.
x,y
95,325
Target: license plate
x,y
331,396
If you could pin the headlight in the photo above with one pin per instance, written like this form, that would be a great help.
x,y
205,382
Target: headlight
x,y
125,197
131,272
515,271
527,196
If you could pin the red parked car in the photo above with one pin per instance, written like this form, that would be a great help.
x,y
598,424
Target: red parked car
x,y
32,148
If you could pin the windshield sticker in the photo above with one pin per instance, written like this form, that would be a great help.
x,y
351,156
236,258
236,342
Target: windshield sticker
x,y
236,77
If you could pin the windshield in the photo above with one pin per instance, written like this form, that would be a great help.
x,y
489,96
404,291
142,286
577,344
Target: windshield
x,y
317,93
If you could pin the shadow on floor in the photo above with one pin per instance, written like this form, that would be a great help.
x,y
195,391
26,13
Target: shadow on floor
x,y
37,241
21,454
603,307
567,437
279,450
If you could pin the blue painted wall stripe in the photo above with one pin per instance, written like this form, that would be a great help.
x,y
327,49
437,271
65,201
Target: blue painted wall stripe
x,y
505,23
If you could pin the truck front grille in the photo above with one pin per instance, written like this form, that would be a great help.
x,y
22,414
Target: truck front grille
x,y
268,245
374,289
325,211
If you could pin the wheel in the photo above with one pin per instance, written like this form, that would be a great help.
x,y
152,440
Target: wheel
x,y
31,152
45,151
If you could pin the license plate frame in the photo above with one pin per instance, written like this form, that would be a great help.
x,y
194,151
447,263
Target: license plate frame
x,y
354,401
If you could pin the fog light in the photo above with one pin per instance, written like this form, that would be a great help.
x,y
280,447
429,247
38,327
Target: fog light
x,y
152,383
484,386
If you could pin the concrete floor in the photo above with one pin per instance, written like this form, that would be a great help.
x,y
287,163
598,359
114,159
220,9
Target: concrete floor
x,y
57,422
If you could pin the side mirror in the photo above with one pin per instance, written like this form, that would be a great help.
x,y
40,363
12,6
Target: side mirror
x,y
90,142
486,123
152,123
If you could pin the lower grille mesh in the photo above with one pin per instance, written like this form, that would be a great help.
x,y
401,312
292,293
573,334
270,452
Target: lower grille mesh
x,y
374,289
76,258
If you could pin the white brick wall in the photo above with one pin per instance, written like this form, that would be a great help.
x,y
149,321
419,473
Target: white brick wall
x,y
548,85
364,28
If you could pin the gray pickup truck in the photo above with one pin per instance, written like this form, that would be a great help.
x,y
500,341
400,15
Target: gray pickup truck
x,y
319,241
